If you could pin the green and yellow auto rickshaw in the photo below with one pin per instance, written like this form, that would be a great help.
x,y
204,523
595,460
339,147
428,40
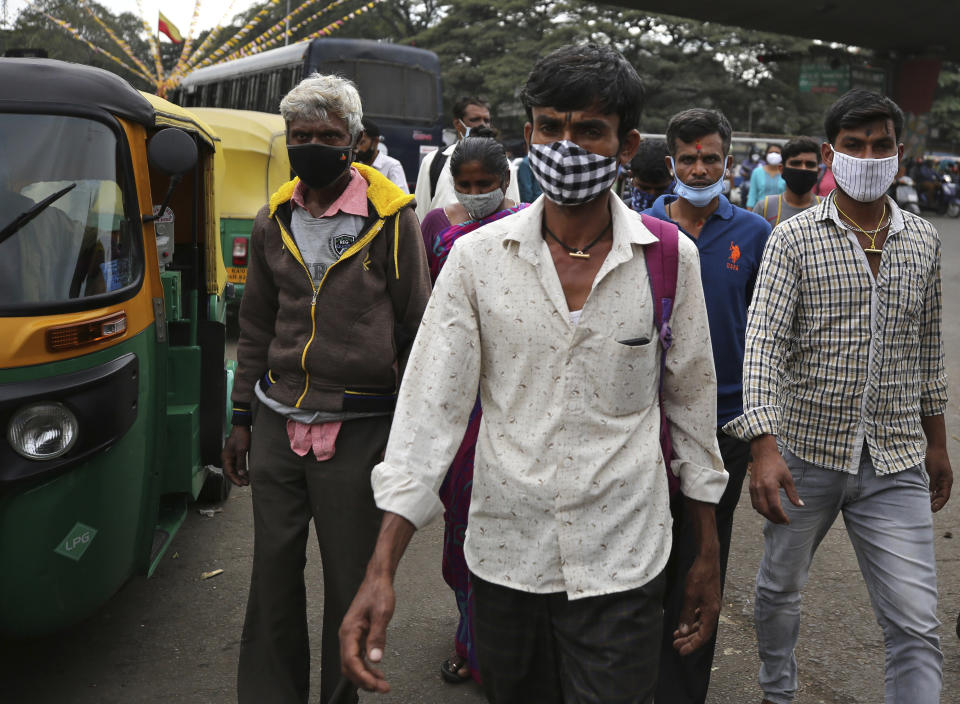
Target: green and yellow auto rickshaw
x,y
113,388
254,148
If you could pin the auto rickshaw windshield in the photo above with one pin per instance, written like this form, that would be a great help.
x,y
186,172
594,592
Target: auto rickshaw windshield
x,y
64,230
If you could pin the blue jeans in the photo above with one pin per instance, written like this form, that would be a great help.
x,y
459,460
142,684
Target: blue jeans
x,y
889,522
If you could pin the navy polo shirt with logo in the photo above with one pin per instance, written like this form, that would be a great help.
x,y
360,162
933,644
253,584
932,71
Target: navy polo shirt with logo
x,y
731,245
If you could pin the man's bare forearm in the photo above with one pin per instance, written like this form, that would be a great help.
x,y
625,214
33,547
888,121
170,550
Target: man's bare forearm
x,y
704,520
935,428
395,534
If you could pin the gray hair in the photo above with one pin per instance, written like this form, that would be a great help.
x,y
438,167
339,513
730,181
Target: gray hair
x,y
317,94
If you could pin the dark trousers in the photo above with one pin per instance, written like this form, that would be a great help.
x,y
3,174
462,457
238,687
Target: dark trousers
x,y
288,491
685,680
547,649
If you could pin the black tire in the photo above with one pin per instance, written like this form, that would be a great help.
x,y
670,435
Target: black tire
x,y
216,487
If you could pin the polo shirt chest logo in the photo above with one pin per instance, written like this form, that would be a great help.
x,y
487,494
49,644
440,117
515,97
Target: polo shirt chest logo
x,y
734,257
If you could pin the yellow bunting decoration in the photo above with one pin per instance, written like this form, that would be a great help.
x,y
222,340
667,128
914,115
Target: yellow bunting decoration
x,y
94,47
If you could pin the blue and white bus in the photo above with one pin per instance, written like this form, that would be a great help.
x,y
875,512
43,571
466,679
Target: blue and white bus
x,y
399,85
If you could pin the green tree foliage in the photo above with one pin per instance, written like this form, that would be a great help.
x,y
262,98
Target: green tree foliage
x,y
33,30
487,47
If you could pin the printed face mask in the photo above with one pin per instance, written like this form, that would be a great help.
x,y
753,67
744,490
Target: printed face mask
x,y
569,174
800,181
864,180
480,205
318,165
697,197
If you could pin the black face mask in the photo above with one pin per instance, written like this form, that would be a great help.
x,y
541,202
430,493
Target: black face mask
x,y
367,155
318,165
800,181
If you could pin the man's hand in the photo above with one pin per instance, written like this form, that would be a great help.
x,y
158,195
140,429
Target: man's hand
x,y
767,474
701,591
701,605
363,633
941,477
234,455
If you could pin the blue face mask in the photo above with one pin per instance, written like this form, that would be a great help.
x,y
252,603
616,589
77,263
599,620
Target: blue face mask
x,y
697,197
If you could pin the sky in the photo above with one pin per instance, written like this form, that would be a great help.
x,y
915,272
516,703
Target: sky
x,y
180,12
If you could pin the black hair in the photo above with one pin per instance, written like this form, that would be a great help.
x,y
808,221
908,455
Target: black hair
x,y
371,128
858,107
692,124
649,163
771,146
800,145
576,77
489,152
460,107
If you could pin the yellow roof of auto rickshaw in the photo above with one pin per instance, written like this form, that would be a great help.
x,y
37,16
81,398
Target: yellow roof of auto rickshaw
x,y
170,115
248,130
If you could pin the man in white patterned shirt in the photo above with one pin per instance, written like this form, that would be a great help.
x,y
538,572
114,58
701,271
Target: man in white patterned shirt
x,y
844,371
549,311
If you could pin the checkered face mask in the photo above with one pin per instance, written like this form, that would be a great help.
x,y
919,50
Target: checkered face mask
x,y
569,174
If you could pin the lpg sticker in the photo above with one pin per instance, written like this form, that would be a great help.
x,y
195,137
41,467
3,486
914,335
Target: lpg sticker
x,y
77,541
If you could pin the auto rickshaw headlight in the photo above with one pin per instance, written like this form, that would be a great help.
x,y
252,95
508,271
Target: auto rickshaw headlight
x,y
43,431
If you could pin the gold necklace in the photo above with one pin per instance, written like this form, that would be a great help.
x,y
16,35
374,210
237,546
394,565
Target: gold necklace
x,y
872,249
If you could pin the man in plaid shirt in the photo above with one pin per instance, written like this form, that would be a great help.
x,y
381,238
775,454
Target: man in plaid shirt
x,y
844,395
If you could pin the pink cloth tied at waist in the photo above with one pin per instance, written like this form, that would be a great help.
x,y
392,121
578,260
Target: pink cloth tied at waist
x,y
320,437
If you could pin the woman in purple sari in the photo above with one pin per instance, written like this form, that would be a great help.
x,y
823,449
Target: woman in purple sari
x,y
481,174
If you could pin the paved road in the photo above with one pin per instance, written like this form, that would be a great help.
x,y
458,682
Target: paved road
x,y
174,637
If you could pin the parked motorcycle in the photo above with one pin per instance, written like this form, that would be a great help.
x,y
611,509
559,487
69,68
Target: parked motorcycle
x,y
905,193
944,199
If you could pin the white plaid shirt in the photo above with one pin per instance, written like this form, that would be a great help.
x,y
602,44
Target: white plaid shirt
x,y
835,357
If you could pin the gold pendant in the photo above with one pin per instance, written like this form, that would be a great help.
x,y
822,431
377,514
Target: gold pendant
x,y
579,255
871,250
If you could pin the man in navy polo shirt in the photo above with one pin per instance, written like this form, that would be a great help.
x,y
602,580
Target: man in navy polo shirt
x,y
730,241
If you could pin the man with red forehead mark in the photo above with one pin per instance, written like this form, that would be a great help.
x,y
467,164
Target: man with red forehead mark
x,y
730,241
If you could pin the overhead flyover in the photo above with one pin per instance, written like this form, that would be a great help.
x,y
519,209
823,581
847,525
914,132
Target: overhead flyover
x,y
914,28
915,36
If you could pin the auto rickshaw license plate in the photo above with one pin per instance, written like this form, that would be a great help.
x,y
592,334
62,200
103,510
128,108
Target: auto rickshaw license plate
x,y
237,274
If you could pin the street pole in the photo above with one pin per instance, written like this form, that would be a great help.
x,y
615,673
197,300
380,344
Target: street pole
x,y
286,31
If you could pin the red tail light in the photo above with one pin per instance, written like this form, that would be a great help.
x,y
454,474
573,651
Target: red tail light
x,y
240,251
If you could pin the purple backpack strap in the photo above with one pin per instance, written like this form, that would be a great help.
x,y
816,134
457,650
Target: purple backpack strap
x,y
662,259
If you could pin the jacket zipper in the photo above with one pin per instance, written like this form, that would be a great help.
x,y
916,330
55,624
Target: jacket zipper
x,y
291,244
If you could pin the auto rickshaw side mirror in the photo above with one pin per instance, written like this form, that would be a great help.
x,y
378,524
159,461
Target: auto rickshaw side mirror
x,y
172,151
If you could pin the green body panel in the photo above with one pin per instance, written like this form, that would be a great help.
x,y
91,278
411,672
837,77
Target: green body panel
x,y
115,492
172,292
182,470
230,229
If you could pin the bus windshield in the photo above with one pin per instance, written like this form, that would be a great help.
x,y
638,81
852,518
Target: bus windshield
x,y
64,233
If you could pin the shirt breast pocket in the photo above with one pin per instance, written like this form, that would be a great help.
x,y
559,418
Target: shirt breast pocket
x,y
905,292
625,376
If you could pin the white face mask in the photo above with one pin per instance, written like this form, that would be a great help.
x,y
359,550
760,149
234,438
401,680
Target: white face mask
x,y
864,180
774,158
480,205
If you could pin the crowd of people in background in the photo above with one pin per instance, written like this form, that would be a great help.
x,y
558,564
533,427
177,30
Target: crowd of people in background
x,y
609,343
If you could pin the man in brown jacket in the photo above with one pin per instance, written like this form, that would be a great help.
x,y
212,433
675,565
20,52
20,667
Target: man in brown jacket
x,y
336,286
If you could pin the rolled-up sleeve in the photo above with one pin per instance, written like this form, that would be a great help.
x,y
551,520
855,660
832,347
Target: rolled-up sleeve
x,y
769,323
438,393
690,388
933,375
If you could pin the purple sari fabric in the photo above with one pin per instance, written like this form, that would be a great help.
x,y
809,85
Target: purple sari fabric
x,y
457,485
